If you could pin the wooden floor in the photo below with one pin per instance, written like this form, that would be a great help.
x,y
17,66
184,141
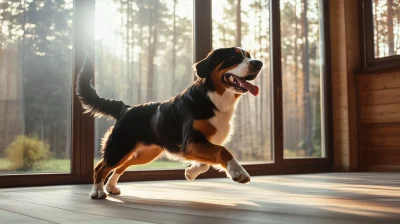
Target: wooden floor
x,y
316,198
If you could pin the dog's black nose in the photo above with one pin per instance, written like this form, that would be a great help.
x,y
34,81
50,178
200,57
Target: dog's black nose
x,y
256,64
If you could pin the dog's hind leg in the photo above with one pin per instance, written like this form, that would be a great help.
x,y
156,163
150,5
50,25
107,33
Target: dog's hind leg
x,y
101,171
141,155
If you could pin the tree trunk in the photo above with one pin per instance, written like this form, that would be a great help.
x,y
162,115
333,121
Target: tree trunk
x,y
397,45
122,50
377,52
174,53
259,116
390,27
7,98
128,49
152,51
296,68
306,96
238,24
22,56
140,65
149,58
224,34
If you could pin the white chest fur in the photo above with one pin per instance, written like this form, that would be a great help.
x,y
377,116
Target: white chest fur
x,y
223,126
224,116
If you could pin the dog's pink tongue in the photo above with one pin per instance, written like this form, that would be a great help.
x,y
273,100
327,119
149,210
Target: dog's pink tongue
x,y
253,89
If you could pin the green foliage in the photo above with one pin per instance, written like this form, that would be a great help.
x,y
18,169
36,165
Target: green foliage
x,y
26,153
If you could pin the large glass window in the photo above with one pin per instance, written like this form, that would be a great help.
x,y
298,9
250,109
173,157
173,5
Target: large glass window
x,y
301,78
35,86
245,23
143,53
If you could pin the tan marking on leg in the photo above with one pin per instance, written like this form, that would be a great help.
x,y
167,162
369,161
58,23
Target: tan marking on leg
x,y
208,153
142,155
102,169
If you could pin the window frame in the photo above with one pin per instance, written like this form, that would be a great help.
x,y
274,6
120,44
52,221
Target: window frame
x,y
83,125
369,62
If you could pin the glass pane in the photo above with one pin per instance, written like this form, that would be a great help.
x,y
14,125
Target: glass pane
x,y
251,141
386,16
301,78
143,53
35,86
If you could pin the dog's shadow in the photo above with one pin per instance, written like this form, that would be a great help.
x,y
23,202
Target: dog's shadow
x,y
163,203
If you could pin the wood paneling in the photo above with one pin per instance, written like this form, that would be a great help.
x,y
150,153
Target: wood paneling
x,y
380,135
379,119
379,97
385,113
390,80
380,158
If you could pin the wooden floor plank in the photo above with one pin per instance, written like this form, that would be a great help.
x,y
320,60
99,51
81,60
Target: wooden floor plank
x,y
12,217
314,198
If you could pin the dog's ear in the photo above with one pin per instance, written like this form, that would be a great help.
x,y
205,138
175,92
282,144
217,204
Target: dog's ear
x,y
204,67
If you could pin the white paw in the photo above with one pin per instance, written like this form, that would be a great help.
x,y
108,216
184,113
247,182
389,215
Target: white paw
x,y
113,190
111,184
98,192
193,170
237,173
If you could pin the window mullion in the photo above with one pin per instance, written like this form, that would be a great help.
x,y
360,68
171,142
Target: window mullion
x,y
276,75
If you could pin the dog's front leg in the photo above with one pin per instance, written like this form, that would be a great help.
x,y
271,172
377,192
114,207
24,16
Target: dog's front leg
x,y
208,153
193,170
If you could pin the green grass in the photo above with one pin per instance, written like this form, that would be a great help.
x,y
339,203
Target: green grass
x,y
63,166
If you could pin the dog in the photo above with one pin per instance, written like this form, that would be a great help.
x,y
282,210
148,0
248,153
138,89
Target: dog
x,y
192,126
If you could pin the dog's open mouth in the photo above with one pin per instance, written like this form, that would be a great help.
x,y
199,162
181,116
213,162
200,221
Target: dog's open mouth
x,y
240,84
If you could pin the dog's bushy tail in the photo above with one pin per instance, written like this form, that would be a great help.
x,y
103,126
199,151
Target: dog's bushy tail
x,y
90,100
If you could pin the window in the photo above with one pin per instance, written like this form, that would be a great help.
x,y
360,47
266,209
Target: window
x,y
245,23
381,29
35,86
301,78
143,54
144,51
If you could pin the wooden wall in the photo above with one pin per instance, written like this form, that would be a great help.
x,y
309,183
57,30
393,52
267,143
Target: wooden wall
x,y
366,107
379,121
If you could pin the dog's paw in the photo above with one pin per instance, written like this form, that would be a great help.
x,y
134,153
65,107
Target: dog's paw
x,y
237,173
193,170
113,190
98,192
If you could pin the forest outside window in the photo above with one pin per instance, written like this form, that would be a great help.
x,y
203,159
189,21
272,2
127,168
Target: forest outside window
x,y
143,53
302,75
245,23
35,86
386,14
381,28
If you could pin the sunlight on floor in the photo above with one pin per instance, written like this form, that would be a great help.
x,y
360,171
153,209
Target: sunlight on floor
x,y
342,195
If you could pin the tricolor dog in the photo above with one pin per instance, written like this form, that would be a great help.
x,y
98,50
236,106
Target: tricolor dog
x,y
192,126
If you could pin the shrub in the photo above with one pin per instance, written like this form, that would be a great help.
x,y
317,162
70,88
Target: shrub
x,y
27,153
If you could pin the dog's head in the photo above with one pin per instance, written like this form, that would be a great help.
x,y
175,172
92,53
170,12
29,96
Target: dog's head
x,y
229,69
